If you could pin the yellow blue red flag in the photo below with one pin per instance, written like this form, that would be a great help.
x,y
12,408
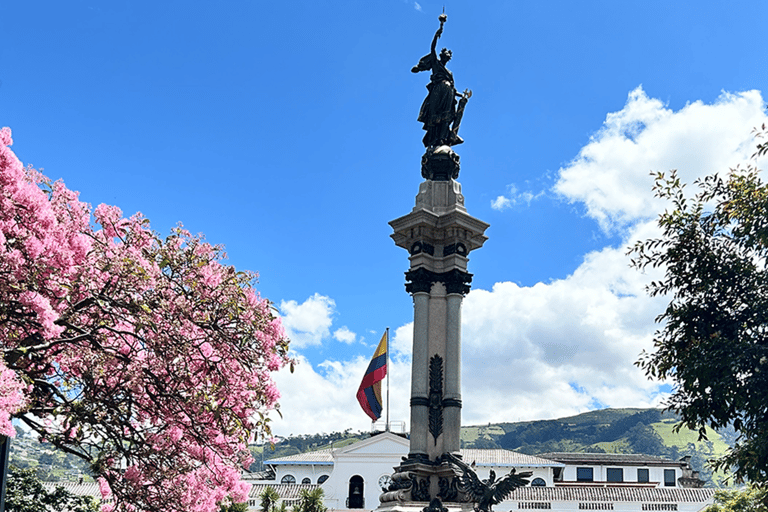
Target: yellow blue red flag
x,y
369,393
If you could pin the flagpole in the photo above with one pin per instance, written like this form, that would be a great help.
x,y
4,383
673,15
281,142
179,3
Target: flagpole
x,y
386,427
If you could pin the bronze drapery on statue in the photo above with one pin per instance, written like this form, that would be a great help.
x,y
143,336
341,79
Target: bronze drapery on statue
x,y
440,112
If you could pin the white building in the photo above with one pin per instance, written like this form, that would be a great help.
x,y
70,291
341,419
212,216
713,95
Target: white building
x,y
352,478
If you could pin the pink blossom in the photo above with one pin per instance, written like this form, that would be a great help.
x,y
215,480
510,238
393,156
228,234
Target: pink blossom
x,y
206,349
11,398
104,488
160,330
132,474
5,136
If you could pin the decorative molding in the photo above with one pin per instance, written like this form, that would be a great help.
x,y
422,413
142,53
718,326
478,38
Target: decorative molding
x,y
419,247
457,282
448,488
440,164
420,488
420,400
418,458
421,280
452,402
436,396
457,248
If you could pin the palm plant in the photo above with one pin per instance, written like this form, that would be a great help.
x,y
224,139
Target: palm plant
x,y
311,501
269,499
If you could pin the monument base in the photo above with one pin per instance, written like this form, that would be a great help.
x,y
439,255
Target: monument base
x,y
417,480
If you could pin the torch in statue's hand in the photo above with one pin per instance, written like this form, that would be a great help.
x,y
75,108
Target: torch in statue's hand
x,y
443,17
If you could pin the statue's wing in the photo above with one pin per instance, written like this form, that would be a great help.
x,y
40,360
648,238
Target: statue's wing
x,y
468,480
504,486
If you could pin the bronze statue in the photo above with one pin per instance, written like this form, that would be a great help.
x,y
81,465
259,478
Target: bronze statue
x,y
439,112
488,492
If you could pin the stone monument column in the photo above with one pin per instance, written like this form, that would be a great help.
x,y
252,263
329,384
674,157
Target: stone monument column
x,y
439,234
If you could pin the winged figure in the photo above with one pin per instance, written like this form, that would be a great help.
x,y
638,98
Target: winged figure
x,y
488,492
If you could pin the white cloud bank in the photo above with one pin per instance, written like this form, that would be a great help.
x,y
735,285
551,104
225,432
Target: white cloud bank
x,y
610,174
566,346
309,322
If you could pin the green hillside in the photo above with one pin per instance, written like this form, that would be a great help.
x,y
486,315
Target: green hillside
x,y
645,431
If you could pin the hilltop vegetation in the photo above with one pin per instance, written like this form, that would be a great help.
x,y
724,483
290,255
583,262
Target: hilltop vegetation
x,y
644,431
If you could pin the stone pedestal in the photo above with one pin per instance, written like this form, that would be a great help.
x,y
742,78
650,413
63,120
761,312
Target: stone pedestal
x,y
438,234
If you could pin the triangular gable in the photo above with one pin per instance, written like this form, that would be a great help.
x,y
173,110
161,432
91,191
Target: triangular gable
x,y
381,444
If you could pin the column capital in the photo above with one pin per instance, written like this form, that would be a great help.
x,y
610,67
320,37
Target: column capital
x,y
421,280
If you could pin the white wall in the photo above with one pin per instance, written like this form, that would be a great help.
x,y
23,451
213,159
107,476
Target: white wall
x,y
600,473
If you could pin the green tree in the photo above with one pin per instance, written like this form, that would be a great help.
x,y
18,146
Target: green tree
x,y
25,493
269,499
311,501
750,499
714,341
234,507
644,439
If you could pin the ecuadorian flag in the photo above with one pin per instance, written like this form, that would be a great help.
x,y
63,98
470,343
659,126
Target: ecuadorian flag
x,y
369,393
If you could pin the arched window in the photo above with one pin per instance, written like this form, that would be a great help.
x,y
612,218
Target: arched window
x,y
538,482
356,497
288,479
322,479
306,480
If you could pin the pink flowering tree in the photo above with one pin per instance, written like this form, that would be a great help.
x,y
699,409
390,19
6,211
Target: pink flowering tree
x,y
145,356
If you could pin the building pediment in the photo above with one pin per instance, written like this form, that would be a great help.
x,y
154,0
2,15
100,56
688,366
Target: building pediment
x,y
385,443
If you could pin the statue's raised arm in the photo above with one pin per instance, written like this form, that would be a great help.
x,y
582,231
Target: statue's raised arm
x,y
439,113
425,63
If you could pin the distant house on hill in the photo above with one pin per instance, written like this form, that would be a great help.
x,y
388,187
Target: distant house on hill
x,y
352,478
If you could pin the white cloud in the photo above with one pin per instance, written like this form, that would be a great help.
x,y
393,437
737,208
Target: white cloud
x,y
417,6
401,342
610,175
309,322
322,399
559,348
344,335
514,198
568,345
501,203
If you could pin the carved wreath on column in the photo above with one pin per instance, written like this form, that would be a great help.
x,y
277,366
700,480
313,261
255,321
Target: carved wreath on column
x,y
436,396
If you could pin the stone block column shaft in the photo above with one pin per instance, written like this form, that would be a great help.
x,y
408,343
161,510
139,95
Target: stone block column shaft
x,y
452,399
419,375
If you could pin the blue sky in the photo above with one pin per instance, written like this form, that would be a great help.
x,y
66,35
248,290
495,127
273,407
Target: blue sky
x,y
287,131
